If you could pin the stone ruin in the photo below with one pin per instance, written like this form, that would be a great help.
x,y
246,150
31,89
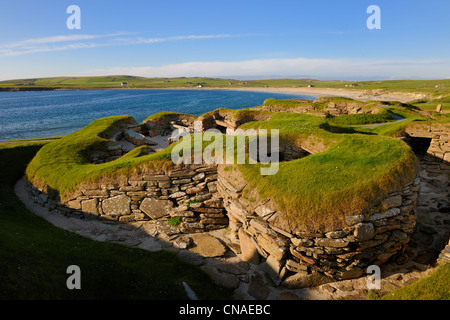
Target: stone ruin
x,y
155,135
202,198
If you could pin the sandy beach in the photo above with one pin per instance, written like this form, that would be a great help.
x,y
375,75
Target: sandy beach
x,y
357,94
362,95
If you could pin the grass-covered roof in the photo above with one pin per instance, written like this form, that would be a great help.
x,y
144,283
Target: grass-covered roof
x,y
351,174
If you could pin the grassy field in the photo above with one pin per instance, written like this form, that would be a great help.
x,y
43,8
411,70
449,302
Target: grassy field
x,y
34,255
431,103
432,87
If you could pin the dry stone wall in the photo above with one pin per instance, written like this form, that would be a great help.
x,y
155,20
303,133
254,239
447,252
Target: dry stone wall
x,y
440,138
189,195
201,198
266,238
168,124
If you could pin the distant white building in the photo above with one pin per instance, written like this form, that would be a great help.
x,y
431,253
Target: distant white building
x,y
124,84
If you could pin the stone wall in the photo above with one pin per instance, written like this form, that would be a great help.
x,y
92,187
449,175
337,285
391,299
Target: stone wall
x,y
331,105
444,256
203,198
188,195
266,239
167,124
440,138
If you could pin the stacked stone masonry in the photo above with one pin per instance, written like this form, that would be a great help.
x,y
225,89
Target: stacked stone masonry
x,y
440,139
201,199
189,195
438,157
339,254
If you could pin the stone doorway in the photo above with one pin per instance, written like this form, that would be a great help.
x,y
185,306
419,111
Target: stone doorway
x,y
419,145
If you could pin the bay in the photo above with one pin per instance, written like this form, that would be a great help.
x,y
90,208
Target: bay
x,y
38,114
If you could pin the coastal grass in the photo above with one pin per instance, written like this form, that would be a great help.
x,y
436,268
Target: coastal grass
x,y
432,88
383,120
165,115
349,174
111,82
365,115
34,255
431,104
63,164
286,103
436,286
361,118
317,192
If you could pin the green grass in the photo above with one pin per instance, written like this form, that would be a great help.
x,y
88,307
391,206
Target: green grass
x,y
350,174
430,104
109,82
176,221
165,115
63,164
321,104
286,104
434,287
361,118
34,255
393,129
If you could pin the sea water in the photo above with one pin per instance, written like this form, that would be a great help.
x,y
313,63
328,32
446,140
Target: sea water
x,y
38,114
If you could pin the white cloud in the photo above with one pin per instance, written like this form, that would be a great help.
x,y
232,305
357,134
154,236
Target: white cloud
x,y
356,69
60,38
53,43
142,40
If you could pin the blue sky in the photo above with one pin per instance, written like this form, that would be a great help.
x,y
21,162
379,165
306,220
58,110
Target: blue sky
x,y
241,39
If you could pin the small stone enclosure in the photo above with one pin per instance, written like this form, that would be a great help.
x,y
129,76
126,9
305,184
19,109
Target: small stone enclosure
x,y
200,198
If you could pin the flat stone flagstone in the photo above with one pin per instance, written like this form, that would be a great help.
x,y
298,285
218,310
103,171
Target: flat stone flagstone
x,y
208,246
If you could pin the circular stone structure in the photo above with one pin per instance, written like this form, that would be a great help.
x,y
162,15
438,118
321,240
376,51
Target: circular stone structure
x,y
337,204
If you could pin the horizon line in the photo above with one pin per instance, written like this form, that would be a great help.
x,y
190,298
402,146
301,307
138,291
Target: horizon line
x,y
241,78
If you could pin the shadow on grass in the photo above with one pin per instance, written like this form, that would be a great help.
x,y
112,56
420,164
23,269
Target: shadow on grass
x,y
34,255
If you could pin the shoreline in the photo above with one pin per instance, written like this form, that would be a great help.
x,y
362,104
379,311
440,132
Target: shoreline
x,y
362,95
356,94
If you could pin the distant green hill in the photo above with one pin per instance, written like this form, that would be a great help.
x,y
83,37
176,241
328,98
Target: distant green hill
x,y
434,87
437,91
